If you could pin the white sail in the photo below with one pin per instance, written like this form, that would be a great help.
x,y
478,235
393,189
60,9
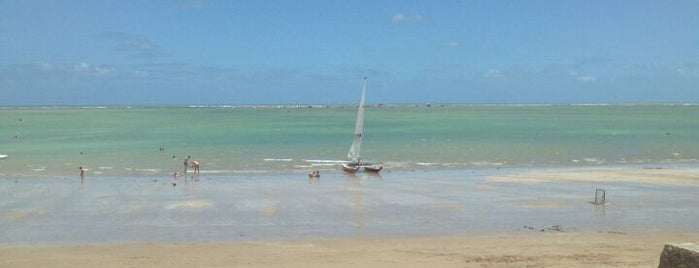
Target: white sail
x,y
354,151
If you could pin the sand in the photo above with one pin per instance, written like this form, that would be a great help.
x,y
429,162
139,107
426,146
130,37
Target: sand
x,y
523,249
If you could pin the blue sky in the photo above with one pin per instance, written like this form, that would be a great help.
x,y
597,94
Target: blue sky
x,y
316,52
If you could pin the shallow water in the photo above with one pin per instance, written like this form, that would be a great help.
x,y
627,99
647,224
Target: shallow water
x,y
290,206
117,142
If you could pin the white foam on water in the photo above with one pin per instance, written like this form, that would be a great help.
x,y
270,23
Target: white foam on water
x,y
486,164
231,171
221,171
325,161
324,165
150,170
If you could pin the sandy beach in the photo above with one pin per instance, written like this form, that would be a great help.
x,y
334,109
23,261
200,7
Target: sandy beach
x,y
524,249
441,218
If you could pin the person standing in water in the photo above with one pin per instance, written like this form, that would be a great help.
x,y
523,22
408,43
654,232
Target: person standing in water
x,y
186,163
195,165
82,177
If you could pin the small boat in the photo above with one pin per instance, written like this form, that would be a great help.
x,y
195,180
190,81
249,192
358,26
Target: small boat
x,y
354,163
3,156
373,168
314,174
350,167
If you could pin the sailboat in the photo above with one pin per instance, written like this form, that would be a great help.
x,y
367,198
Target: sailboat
x,y
355,163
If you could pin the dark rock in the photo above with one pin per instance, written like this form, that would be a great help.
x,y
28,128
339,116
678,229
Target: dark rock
x,y
683,255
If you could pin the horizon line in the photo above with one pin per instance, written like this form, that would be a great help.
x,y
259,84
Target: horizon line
x,y
309,105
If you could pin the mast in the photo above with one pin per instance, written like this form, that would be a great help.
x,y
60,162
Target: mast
x,y
354,151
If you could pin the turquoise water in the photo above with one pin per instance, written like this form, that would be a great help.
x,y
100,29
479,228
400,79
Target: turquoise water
x,y
54,142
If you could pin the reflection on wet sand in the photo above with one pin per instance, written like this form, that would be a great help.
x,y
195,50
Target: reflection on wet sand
x,y
313,180
357,198
601,210
359,205
374,175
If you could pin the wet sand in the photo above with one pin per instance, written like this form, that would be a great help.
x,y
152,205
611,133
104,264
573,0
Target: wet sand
x,y
688,176
441,218
534,249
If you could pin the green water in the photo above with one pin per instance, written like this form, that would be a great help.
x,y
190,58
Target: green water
x,y
54,142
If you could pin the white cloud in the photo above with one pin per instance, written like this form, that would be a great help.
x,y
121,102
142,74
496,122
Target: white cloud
x,y
452,44
77,69
493,73
587,78
81,67
84,68
581,77
140,74
682,72
399,17
134,44
44,66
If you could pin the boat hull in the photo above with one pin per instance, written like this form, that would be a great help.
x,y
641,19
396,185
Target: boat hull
x,y
350,168
373,168
353,168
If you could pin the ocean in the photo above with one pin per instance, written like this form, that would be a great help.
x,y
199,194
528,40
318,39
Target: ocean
x,y
52,142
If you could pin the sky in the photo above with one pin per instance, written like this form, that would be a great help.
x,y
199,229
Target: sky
x,y
189,52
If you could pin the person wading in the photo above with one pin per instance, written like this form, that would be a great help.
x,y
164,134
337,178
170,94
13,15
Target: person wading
x,y
186,163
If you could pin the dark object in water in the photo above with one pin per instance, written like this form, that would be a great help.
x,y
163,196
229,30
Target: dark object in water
x,y
600,197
